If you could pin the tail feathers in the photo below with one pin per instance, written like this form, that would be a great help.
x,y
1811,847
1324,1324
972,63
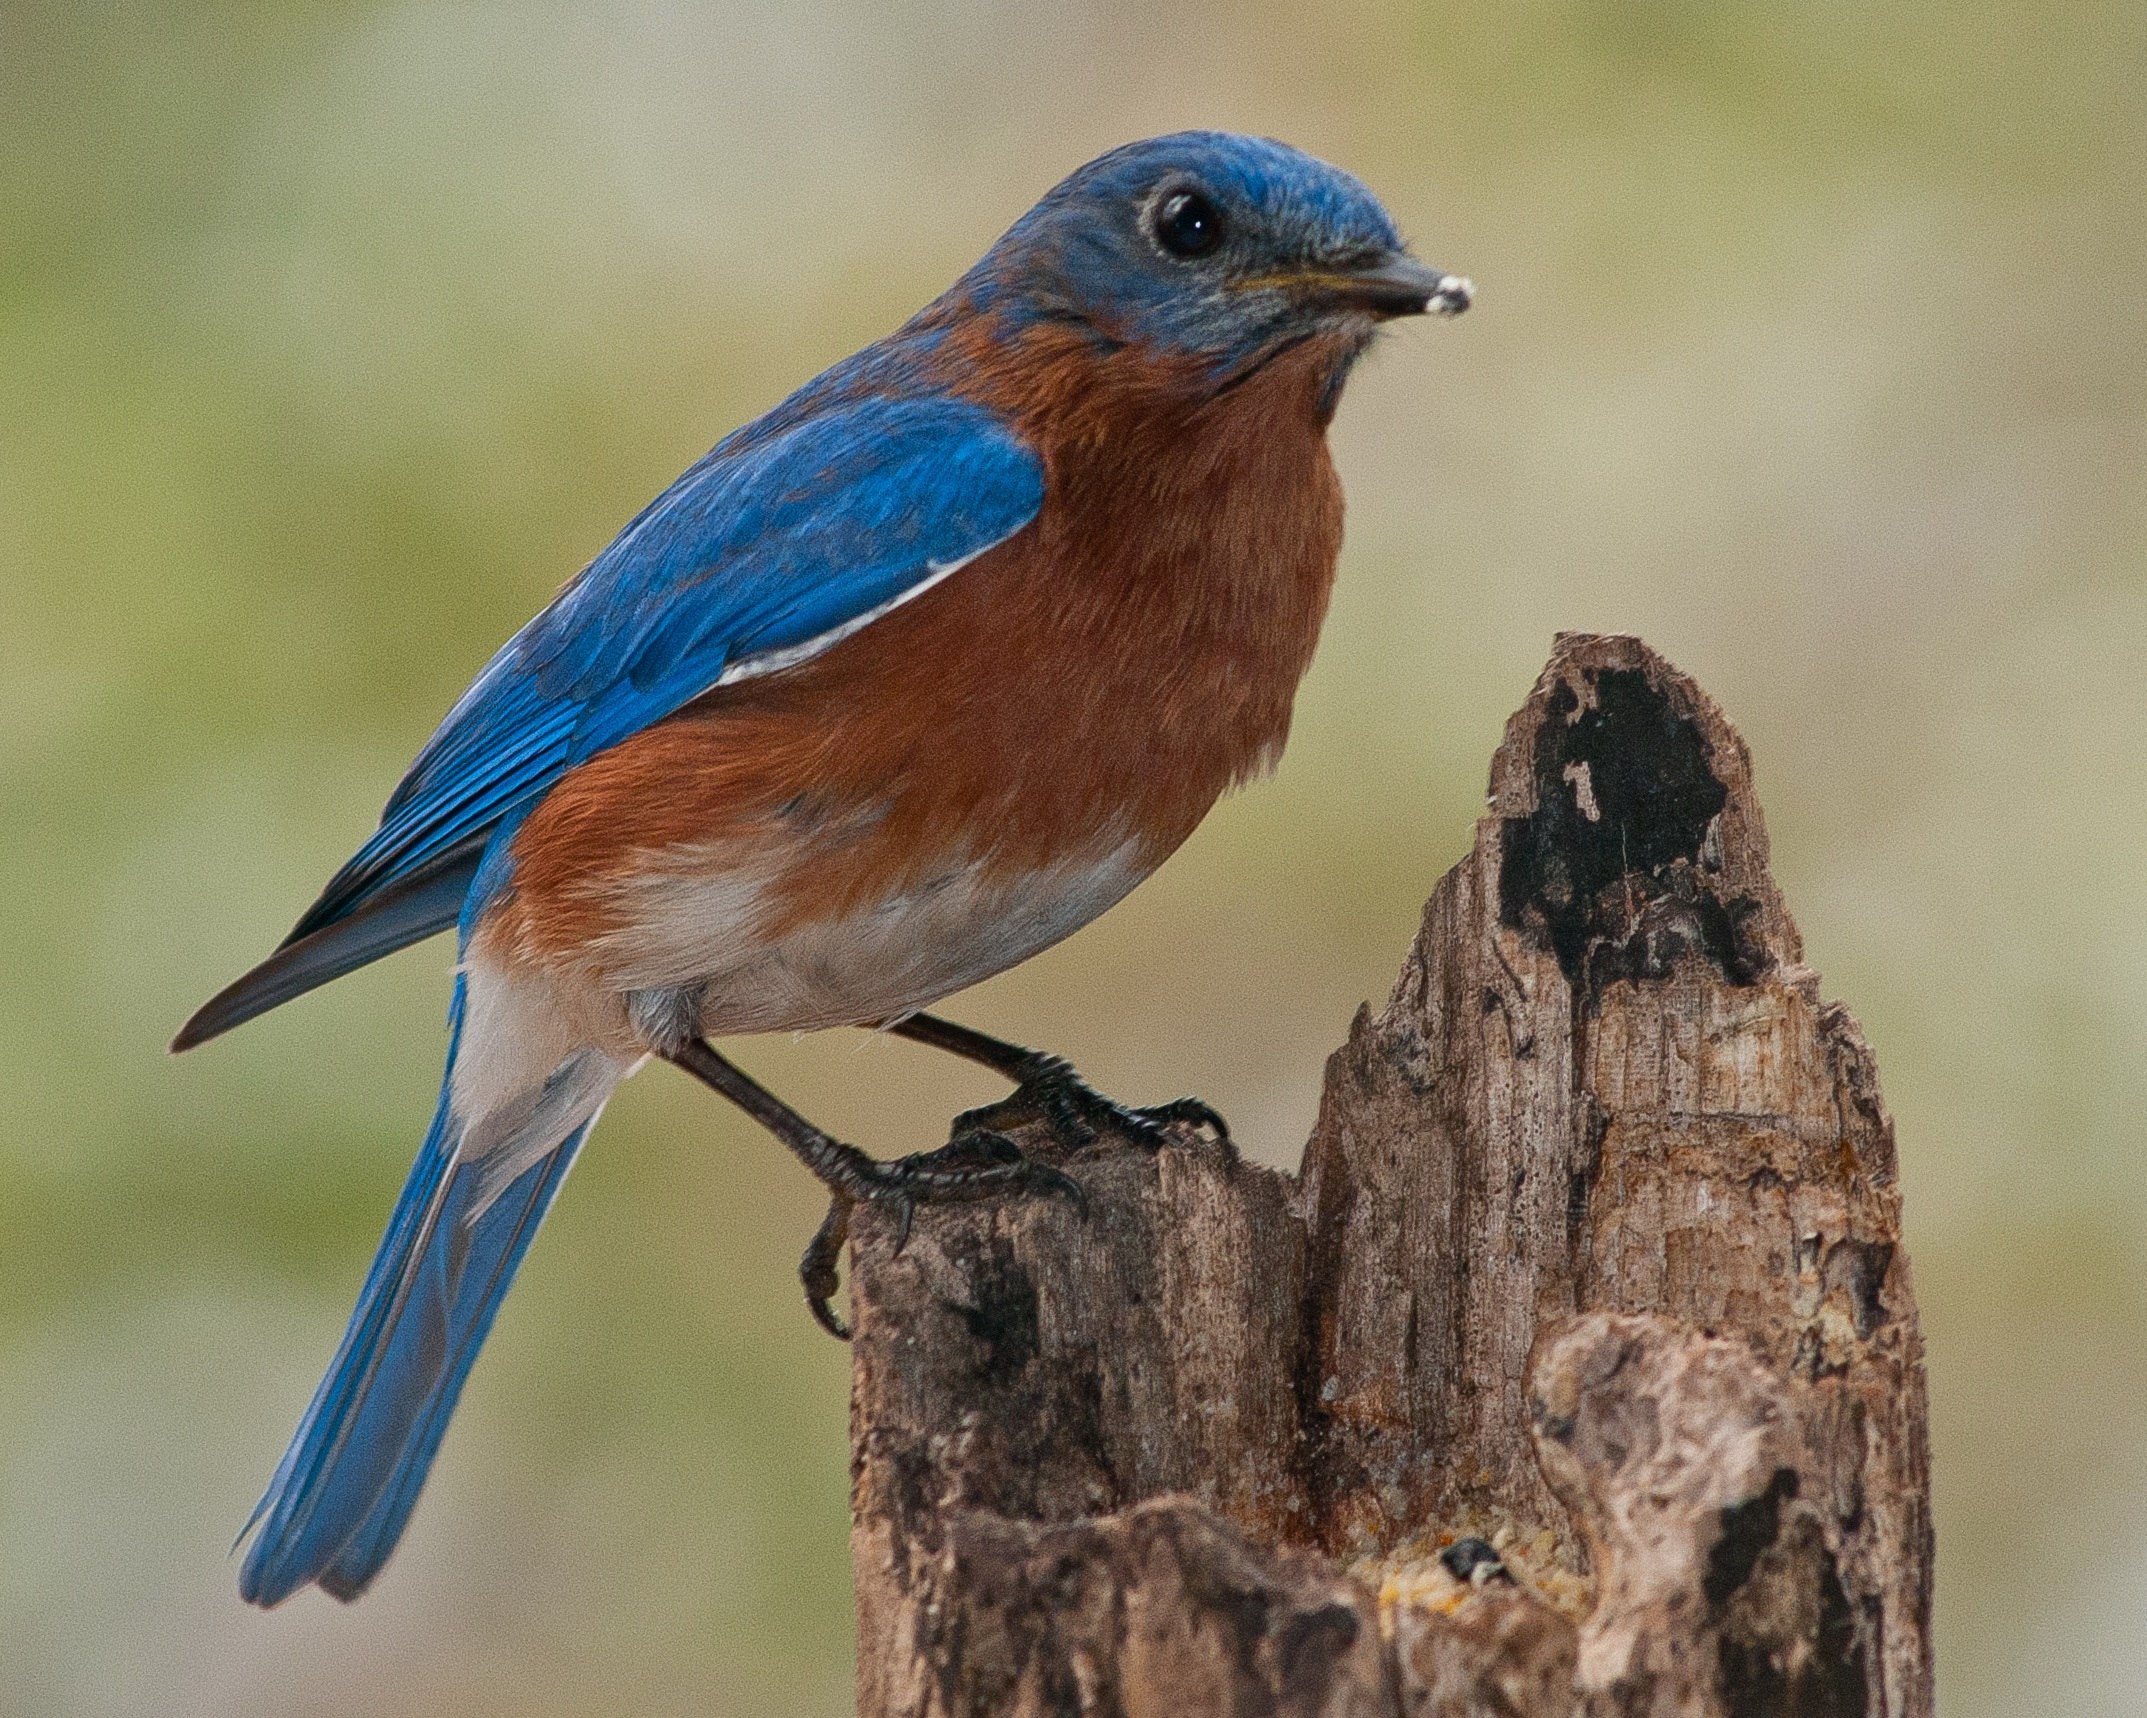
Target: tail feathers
x,y
407,911
344,1490
502,1235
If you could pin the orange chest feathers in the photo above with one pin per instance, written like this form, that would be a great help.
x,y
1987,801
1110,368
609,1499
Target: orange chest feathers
x,y
1135,652
1100,679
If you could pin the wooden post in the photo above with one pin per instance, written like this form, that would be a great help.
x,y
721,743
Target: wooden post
x,y
1577,1373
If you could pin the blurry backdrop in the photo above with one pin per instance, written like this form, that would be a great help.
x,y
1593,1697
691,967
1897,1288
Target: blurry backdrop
x,y
333,337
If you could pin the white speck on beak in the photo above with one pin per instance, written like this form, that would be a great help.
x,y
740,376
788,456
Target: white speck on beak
x,y
1454,294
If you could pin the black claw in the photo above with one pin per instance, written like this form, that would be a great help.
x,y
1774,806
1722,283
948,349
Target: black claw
x,y
975,1164
1192,1112
1055,1183
821,1268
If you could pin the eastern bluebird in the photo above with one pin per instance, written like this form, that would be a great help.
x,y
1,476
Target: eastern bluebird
x,y
901,684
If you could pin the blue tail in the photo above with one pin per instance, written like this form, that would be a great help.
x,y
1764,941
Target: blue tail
x,y
344,1489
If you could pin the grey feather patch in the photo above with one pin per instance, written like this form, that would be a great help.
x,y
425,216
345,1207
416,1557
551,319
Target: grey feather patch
x,y
509,1139
667,1017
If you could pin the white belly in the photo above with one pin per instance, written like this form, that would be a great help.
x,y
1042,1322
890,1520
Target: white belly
x,y
704,930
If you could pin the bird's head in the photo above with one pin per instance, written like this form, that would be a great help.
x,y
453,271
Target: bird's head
x,y
1213,247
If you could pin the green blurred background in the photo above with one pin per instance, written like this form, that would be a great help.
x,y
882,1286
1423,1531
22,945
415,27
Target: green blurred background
x,y
1812,346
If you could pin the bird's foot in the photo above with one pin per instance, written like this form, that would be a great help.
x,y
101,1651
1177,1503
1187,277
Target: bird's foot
x,y
977,1163
1048,1090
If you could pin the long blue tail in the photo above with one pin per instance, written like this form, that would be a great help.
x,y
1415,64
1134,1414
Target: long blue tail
x,y
344,1489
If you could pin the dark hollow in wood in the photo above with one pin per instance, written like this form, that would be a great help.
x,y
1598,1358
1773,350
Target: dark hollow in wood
x,y
1595,1257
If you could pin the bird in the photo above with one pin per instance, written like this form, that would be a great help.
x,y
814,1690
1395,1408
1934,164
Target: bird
x,y
899,685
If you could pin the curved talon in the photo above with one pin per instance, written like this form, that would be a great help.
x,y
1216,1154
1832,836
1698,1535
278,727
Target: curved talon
x,y
1036,1176
821,1267
1192,1112
975,1164
1060,1185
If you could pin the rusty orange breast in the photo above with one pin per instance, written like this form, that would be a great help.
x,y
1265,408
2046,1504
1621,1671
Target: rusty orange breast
x,y
1099,679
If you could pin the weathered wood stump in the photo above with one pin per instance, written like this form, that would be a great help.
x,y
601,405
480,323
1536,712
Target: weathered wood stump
x,y
1577,1373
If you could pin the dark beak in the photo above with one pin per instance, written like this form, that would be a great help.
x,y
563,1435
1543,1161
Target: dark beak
x,y
1399,285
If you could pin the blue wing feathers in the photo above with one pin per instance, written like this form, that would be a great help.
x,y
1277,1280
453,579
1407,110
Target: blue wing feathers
x,y
759,551
787,531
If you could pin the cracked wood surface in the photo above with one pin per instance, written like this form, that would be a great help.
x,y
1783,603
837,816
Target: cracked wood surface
x,y
1595,1257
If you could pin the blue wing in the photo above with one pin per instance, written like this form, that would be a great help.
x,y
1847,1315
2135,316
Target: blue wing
x,y
771,544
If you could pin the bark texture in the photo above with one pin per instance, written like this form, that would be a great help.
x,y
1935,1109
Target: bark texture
x,y
1577,1373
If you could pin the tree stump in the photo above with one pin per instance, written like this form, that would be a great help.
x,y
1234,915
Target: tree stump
x,y
1578,1372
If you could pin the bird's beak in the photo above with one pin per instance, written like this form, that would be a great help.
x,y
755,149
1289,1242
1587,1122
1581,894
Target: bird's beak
x,y
1393,285
1399,285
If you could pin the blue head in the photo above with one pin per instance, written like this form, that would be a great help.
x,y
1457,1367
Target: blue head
x,y
1211,246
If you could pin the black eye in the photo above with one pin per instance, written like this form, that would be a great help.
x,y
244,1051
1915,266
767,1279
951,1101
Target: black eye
x,y
1188,225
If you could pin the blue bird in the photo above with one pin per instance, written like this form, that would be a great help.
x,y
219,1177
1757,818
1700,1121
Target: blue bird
x,y
901,684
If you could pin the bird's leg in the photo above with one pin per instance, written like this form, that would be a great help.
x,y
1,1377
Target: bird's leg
x,y
1047,1087
977,1165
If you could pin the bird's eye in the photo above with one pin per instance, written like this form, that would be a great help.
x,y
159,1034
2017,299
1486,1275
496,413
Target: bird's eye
x,y
1188,225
